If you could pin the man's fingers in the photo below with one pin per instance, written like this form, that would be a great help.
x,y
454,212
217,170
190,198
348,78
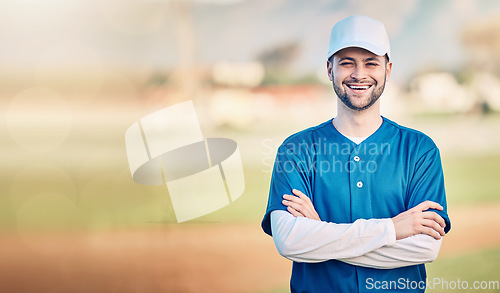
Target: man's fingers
x,y
292,199
435,217
300,203
294,212
429,205
300,194
296,206
431,232
292,204
433,225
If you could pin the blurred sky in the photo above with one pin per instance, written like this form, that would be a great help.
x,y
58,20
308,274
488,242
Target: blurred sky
x,y
141,35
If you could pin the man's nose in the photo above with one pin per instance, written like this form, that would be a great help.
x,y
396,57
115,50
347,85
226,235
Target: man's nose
x,y
358,73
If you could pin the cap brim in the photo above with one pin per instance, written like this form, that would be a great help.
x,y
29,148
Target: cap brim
x,y
375,50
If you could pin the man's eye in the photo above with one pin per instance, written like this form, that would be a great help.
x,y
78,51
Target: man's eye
x,y
346,64
371,64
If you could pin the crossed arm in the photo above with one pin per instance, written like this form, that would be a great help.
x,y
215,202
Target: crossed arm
x,y
412,237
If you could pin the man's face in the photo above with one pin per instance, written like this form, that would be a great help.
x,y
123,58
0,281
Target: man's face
x,y
358,77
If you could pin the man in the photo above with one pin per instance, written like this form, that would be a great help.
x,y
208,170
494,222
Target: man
x,y
358,202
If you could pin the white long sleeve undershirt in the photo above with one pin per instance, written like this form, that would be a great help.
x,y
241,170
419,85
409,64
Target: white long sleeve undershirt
x,y
369,243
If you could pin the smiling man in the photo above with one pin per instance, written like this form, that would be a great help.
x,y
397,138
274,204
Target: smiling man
x,y
358,202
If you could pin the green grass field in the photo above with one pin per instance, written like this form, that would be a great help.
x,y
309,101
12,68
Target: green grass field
x,y
472,179
38,199
476,266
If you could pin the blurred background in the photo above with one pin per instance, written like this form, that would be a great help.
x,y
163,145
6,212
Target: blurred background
x,y
75,74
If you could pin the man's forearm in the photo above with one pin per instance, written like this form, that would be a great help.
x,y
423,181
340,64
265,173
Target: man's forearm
x,y
367,241
305,240
410,251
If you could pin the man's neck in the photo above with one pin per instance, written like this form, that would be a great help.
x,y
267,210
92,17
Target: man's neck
x,y
357,123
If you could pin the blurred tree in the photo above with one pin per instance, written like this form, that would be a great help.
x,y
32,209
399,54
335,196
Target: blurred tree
x,y
280,56
277,61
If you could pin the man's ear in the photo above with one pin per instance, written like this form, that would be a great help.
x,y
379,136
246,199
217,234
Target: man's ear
x,y
329,68
388,69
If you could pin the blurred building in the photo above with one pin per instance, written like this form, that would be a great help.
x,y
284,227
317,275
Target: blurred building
x,y
280,104
441,93
249,74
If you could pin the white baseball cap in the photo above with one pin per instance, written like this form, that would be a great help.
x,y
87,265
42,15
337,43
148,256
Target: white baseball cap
x,y
362,32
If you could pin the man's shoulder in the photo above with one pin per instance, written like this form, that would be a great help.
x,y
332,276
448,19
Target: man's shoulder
x,y
412,136
307,135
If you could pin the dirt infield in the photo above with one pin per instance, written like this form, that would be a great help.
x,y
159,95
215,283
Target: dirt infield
x,y
473,228
207,258
182,258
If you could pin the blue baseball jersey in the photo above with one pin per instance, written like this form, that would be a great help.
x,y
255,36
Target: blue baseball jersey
x,y
393,170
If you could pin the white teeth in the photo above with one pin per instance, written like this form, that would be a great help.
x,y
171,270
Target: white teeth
x,y
354,87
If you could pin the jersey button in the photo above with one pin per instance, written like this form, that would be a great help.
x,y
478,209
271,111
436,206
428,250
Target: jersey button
x,y
359,184
356,158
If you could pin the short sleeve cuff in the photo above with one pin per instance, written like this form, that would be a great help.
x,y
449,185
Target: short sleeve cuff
x,y
266,222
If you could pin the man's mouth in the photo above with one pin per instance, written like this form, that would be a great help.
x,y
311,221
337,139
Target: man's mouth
x,y
358,87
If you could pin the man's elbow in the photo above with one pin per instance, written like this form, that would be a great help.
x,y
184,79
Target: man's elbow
x,y
431,249
290,251
282,226
284,248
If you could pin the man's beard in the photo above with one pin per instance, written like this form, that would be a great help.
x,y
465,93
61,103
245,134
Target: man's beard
x,y
377,92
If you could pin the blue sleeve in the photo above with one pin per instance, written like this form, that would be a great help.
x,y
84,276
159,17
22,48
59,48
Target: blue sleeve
x,y
427,183
290,172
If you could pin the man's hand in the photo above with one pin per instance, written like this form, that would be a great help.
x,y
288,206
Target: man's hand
x,y
300,205
417,221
